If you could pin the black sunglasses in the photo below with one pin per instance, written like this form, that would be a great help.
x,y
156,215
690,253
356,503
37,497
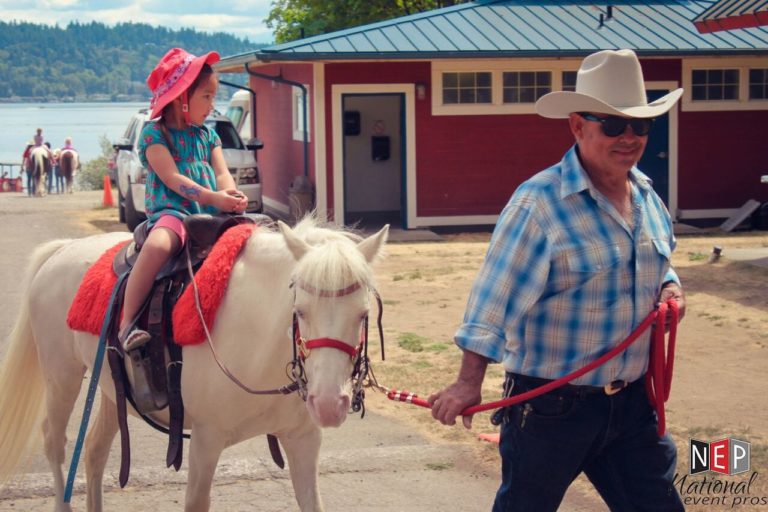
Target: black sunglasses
x,y
614,126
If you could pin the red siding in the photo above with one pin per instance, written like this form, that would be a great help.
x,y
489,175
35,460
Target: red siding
x,y
722,156
470,165
466,165
282,157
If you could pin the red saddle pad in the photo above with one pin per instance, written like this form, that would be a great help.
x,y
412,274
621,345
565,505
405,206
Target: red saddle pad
x,y
90,304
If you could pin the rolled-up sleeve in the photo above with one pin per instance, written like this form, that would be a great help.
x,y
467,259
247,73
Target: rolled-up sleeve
x,y
511,280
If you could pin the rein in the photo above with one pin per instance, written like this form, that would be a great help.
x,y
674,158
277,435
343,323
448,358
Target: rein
x,y
282,390
658,378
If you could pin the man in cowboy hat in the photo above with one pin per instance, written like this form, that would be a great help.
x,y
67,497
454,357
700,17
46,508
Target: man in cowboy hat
x,y
580,255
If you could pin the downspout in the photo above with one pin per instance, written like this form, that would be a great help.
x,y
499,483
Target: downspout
x,y
280,79
253,103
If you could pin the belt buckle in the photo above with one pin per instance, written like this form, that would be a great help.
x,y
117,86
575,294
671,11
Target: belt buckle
x,y
614,387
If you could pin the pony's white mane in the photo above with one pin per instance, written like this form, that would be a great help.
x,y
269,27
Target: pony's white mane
x,y
334,262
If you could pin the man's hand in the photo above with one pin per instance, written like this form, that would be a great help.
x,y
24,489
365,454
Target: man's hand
x,y
465,392
448,403
673,291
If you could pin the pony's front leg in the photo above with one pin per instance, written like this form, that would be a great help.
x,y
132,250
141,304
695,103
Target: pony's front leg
x,y
205,448
97,446
303,451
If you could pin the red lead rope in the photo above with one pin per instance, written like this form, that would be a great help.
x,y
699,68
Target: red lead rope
x,y
658,379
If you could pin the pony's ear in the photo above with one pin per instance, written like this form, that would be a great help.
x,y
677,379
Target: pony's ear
x,y
371,247
296,245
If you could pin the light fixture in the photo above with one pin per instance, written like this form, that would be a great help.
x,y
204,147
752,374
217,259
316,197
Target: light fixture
x,y
421,91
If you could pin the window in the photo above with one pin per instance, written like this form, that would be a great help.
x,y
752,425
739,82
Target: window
x,y
226,132
526,86
299,126
714,84
758,84
569,80
466,88
470,87
724,83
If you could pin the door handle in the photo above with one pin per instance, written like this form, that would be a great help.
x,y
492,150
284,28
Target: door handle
x,y
662,155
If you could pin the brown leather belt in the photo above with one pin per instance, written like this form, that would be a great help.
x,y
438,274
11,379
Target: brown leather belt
x,y
528,383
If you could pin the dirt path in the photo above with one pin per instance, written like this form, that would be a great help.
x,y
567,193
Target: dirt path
x,y
398,459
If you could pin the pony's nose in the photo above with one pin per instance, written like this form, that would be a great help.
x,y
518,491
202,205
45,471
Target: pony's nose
x,y
328,410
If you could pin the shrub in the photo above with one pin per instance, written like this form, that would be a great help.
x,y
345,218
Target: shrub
x,y
92,172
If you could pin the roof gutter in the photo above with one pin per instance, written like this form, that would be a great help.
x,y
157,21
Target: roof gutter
x,y
253,103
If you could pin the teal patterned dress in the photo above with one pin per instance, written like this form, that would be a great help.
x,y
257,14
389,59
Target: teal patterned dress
x,y
192,154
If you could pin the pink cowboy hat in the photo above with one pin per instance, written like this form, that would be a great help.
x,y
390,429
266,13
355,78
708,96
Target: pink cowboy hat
x,y
173,75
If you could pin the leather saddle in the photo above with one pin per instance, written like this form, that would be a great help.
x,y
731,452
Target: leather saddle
x,y
155,367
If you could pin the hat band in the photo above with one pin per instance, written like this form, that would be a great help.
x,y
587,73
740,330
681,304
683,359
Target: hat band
x,y
171,80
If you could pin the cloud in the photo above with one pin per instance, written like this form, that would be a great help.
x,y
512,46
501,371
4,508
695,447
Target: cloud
x,y
242,18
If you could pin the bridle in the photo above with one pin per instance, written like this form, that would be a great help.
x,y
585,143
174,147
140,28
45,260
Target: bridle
x,y
362,373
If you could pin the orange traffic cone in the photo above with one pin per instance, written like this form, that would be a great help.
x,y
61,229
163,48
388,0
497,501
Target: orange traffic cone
x,y
107,201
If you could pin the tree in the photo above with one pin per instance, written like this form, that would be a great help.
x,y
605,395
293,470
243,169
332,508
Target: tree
x,y
294,19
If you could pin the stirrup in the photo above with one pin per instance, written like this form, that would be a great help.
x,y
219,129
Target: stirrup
x,y
134,339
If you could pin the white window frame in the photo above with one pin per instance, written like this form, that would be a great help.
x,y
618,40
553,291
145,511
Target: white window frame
x,y
296,114
496,68
743,65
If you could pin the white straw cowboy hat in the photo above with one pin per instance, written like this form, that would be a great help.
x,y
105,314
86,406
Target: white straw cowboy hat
x,y
608,82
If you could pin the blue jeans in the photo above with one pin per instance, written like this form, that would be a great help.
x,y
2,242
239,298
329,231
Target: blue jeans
x,y
549,440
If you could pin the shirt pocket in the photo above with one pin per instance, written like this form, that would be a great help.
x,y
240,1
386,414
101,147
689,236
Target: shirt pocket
x,y
581,265
593,259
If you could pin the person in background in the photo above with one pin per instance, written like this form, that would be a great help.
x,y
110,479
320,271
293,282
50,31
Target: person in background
x,y
187,171
58,177
68,144
52,171
578,258
26,166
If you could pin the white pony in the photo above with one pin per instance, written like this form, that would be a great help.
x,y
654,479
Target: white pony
x,y
45,360
40,163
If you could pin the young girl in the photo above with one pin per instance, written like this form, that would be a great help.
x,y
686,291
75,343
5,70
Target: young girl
x,y
187,171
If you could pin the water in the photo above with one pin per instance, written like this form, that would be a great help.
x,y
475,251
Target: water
x,y
84,122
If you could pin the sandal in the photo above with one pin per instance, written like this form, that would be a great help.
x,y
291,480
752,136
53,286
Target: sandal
x,y
133,339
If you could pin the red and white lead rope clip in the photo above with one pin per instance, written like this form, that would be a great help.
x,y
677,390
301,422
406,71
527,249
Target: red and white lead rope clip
x,y
658,378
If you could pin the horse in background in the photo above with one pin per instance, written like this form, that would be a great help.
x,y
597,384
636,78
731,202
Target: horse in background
x,y
40,161
69,162
318,277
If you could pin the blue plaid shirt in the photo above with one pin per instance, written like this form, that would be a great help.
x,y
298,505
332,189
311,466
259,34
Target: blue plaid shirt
x,y
566,278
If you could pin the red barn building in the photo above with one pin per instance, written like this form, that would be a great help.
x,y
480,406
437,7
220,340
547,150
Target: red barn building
x,y
428,120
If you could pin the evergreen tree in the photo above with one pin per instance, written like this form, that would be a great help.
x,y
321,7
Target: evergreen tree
x,y
93,61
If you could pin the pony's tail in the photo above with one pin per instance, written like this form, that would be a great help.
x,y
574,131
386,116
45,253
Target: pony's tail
x,y
22,386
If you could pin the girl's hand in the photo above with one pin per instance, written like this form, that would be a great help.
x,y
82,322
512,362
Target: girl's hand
x,y
231,201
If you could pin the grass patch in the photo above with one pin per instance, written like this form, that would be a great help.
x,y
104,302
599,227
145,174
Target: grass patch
x,y
412,342
438,347
697,256
391,302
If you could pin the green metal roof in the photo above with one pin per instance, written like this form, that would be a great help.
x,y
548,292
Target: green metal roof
x,y
509,28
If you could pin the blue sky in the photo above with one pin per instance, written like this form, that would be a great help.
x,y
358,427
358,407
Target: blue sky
x,y
243,18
